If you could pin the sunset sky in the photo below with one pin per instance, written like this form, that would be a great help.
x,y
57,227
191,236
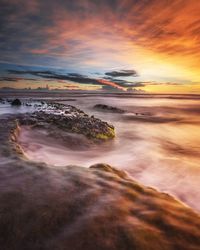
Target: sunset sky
x,y
149,45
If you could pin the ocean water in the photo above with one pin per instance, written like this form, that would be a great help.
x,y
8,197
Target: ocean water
x,y
159,148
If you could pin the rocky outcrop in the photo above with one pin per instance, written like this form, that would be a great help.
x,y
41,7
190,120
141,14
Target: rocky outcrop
x,y
1,100
16,102
97,208
69,119
107,108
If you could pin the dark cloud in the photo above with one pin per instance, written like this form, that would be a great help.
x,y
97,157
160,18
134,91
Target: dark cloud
x,y
122,73
78,78
8,79
14,79
108,88
125,83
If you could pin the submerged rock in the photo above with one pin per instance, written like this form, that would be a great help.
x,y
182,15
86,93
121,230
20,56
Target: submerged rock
x,y
2,101
16,102
103,107
70,100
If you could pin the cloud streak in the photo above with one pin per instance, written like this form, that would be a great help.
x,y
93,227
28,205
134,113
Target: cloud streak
x,y
122,73
77,78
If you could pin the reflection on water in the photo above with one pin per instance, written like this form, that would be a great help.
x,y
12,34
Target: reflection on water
x,y
161,150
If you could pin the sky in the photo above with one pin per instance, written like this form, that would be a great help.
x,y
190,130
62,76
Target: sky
x,y
119,45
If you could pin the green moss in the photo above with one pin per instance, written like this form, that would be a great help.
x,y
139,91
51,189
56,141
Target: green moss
x,y
112,132
101,136
105,136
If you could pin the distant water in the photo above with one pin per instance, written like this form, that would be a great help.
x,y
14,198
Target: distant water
x,y
160,150
7,108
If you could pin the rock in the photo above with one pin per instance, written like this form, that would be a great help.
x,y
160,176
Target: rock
x,y
69,119
16,102
108,168
70,100
103,107
2,101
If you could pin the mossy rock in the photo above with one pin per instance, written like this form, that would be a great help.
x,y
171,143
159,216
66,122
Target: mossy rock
x,y
110,134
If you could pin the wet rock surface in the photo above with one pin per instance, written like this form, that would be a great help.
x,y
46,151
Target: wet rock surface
x,y
16,102
67,118
107,108
135,116
1,100
129,115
